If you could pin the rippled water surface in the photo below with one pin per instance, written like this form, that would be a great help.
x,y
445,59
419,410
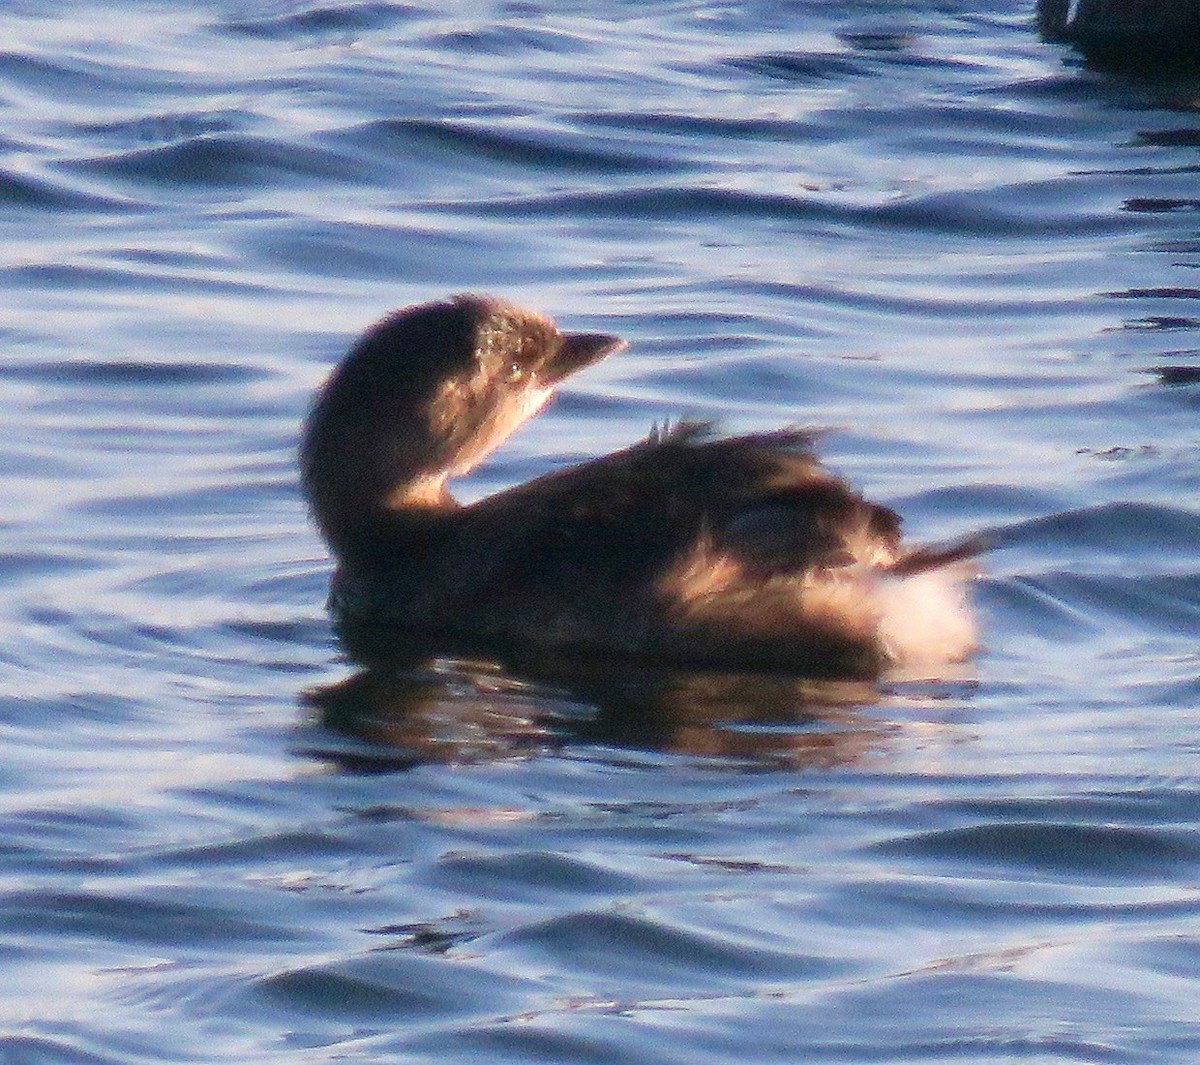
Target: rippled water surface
x,y
971,255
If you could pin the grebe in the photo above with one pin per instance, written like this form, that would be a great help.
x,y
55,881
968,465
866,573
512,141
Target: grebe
x,y
733,553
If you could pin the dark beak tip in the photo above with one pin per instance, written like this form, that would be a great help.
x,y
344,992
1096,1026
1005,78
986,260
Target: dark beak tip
x,y
596,344
582,349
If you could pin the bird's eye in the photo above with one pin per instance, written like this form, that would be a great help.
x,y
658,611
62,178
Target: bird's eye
x,y
514,373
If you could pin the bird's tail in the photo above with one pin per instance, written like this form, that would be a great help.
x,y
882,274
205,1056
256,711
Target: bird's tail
x,y
925,619
936,556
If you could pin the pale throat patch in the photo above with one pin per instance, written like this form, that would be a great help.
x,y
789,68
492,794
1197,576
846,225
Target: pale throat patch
x,y
499,429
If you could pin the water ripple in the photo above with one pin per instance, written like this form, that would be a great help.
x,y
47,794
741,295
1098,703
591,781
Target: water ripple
x,y
653,959
220,160
478,144
318,21
964,214
1066,849
44,194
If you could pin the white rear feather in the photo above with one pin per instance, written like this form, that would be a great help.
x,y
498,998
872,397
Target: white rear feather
x,y
924,618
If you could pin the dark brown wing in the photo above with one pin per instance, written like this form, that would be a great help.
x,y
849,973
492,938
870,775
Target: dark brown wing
x,y
613,526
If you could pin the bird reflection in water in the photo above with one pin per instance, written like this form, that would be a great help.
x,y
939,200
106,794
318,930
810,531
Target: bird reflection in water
x,y
414,705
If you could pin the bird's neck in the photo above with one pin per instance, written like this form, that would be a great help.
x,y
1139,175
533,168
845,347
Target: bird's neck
x,y
365,504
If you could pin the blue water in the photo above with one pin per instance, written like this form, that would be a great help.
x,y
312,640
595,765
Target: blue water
x,y
972,256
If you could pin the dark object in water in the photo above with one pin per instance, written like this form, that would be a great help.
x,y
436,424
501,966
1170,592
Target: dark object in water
x,y
1128,32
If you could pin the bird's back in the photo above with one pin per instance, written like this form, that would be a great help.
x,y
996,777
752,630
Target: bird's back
x,y
738,553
